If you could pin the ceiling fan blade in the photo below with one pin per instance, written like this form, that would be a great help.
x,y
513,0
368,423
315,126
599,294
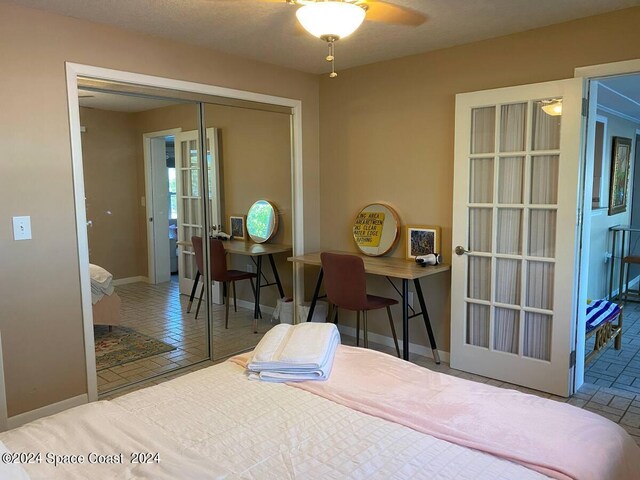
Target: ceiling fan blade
x,y
385,12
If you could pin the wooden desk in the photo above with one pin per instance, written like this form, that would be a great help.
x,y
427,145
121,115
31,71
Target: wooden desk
x,y
256,251
391,268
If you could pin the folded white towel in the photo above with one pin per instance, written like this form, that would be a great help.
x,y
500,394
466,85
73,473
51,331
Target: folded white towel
x,y
295,353
101,283
99,275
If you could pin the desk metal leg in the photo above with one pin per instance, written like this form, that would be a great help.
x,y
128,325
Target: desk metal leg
x,y
193,291
427,322
405,319
316,292
256,312
276,276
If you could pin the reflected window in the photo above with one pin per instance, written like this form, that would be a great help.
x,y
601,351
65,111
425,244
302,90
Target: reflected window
x,y
173,203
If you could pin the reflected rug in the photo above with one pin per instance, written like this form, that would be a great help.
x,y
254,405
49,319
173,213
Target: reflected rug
x,y
124,345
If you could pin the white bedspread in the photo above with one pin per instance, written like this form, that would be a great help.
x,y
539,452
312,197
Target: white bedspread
x,y
215,423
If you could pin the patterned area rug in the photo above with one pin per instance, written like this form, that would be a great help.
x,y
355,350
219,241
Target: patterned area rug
x,y
124,345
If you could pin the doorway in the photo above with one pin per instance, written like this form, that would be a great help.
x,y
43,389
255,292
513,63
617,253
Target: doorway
x,y
617,123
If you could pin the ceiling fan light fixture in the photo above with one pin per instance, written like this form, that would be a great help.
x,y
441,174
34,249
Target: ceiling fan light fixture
x,y
330,20
553,107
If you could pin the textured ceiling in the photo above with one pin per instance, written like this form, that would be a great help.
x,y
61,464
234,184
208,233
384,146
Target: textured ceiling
x,y
267,31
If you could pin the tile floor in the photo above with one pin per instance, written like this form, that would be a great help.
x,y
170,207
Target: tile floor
x,y
160,312
612,380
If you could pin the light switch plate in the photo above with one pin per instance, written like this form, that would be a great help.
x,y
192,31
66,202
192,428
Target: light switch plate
x,y
22,228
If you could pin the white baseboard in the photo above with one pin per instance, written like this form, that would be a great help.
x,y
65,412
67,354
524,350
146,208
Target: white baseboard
x,y
388,342
125,281
250,305
632,284
19,420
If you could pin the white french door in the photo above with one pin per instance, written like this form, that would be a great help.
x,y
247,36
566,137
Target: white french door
x,y
189,200
514,294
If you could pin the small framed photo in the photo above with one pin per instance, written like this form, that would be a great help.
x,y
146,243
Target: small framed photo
x,y
237,225
422,240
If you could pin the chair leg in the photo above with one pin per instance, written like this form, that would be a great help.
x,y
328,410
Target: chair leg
x,y
366,329
358,328
226,308
200,300
393,330
235,302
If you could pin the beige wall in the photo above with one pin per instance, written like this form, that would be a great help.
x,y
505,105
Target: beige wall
x,y
110,156
601,239
387,129
40,317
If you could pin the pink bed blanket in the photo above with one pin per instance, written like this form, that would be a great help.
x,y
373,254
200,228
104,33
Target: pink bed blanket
x,y
550,437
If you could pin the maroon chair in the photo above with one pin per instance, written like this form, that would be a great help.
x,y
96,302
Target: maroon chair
x,y
219,273
346,287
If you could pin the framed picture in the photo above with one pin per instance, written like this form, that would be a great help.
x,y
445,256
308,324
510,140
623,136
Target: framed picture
x,y
619,175
237,225
422,240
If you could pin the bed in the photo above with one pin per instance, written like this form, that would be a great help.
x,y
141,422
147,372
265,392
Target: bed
x,y
216,423
104,300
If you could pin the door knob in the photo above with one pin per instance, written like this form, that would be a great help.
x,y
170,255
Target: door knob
x,y
460,250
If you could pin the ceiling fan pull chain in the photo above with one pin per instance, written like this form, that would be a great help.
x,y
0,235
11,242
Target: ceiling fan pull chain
x,y
331,58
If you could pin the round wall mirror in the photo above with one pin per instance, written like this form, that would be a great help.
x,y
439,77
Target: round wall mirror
x,y
262,221
376,229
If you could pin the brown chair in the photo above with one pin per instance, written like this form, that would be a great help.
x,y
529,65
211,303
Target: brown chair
x,y
219,273
345,285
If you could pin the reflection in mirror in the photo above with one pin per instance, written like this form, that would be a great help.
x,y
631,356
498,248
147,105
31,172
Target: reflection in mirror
x,y
143,193
376,229
254,163
262,221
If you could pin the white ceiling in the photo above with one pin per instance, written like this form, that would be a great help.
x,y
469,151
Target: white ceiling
x,y
268,32
621,95
121,103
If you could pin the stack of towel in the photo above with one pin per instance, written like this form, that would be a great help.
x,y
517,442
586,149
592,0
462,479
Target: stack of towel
x,y
295,353
101,283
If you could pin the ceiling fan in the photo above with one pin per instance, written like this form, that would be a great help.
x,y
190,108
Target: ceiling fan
x,y
331,20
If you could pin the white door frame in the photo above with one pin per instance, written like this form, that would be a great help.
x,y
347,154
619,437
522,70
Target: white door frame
x,y
73,71
592,72
148,193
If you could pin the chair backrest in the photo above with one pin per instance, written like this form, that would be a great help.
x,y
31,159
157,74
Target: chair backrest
x,y
197,249
344,280
218,258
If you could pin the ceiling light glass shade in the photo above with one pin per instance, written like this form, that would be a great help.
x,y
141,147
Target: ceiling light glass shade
x,y
553,109
330,19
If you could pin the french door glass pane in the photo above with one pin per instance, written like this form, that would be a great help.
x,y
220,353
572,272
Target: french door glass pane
x,y
483,128
509,238
510,180
481,184
480,228
508,278
195,182
478,325
542,233
546,129
185,182
506,330
479,278
537,336
540,277
544,179
513,130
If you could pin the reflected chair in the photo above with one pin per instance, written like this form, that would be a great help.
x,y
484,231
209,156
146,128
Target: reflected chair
x,y
220,273
345,285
